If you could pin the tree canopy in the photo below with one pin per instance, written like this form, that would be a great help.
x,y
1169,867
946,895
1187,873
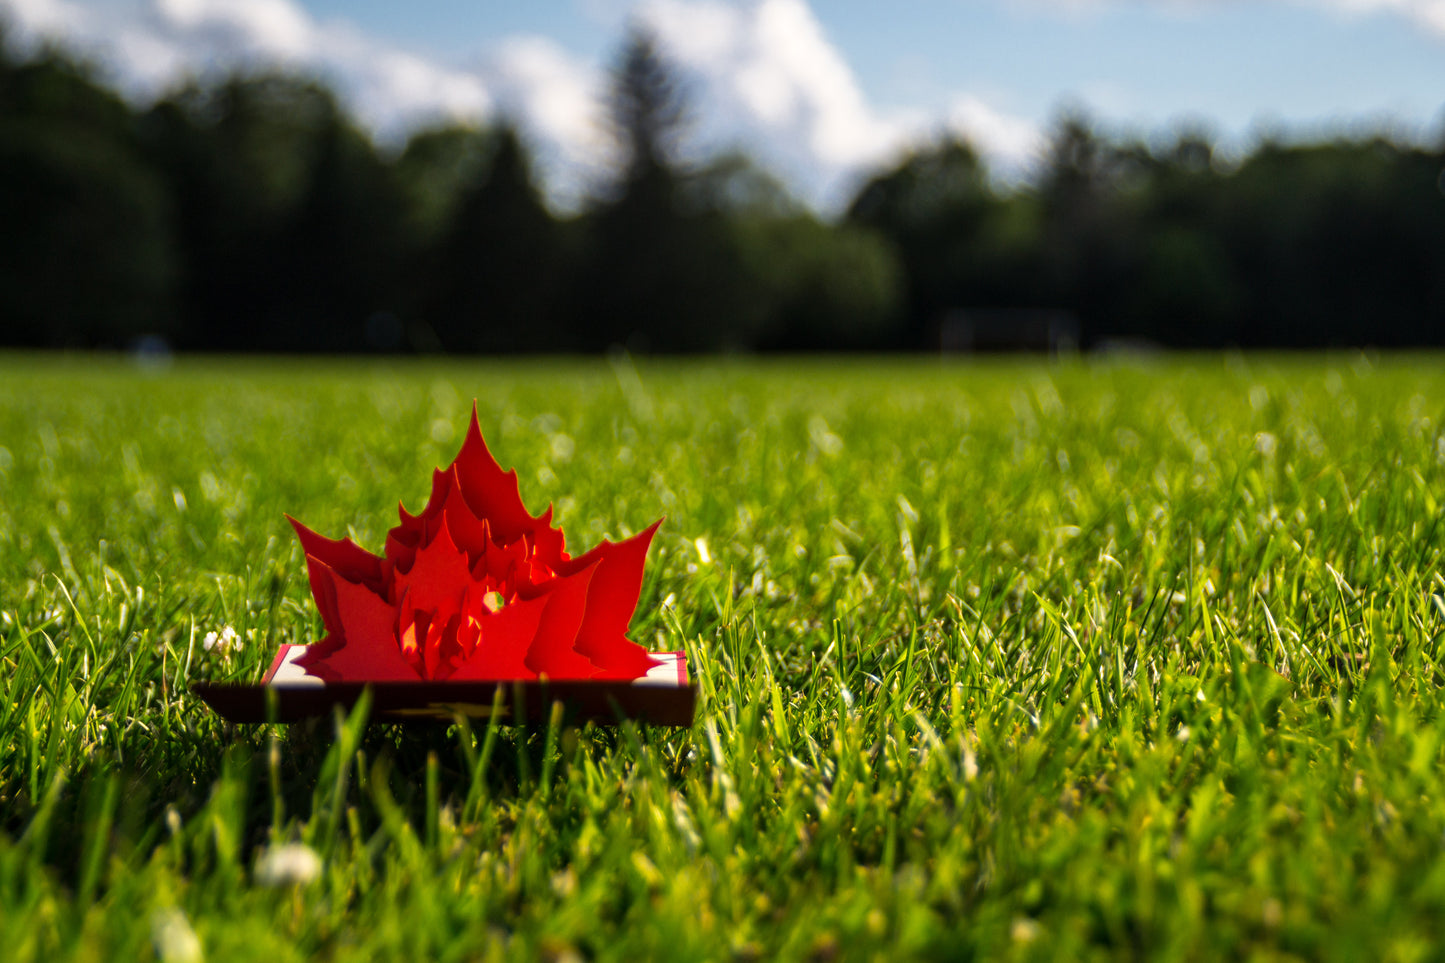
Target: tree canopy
x,y
254,214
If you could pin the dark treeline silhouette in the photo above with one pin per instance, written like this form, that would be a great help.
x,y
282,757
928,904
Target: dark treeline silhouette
x,y
253,214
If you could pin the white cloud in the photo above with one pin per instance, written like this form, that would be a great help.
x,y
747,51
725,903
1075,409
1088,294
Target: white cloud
x,y
1013,140
553,95
395,90
50,16
271,28
771,78
147,45
153,61
391,89
768,79
1428,13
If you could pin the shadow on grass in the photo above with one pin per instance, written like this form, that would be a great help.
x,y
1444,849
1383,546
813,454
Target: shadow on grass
x,y
253,785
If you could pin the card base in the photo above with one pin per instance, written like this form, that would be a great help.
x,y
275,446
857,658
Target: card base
x,y
602,702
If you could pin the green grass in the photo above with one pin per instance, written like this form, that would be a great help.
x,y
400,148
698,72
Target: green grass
x,y
996,660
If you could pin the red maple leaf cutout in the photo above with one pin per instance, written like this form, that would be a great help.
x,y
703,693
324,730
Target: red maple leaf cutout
x,y
475,588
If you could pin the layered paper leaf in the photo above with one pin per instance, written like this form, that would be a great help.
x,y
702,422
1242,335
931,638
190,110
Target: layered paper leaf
x,y
474,588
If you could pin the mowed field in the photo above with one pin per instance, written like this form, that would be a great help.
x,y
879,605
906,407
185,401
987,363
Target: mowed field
x,y
998,660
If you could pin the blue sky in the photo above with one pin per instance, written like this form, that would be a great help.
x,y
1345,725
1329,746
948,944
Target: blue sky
x,y
1232,61
823,92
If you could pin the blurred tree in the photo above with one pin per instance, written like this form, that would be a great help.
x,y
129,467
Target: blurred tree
x,y
817,286
657,275
733,183
798,283
86,253
1089,246
239,158
959,243
291,222
347,244
253,214
1186,291
649,111
1339,244
432,171
499,263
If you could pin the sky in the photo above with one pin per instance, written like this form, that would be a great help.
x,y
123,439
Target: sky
x,y
822,93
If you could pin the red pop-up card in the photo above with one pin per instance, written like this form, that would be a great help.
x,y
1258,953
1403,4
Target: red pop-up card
x,y
472,597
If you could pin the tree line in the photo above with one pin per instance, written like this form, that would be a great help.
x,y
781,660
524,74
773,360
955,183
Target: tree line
x,y
252,213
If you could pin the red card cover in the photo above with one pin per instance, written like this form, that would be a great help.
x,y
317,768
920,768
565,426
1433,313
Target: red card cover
x,y
663,697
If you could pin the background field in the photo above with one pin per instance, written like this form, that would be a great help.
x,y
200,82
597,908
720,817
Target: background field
x,y
1095,659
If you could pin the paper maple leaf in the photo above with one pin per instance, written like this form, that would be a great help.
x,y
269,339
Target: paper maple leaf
x,y
474,589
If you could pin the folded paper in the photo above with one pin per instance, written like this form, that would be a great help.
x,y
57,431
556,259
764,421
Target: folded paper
x,y
472,593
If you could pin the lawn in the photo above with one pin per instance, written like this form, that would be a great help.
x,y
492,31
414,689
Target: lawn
x,y
1097,659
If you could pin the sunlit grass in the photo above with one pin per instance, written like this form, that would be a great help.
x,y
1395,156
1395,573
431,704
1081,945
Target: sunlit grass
x,y
999,659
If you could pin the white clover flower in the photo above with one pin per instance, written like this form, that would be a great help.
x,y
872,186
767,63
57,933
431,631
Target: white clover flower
x,y
224,642
291,864
173,938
